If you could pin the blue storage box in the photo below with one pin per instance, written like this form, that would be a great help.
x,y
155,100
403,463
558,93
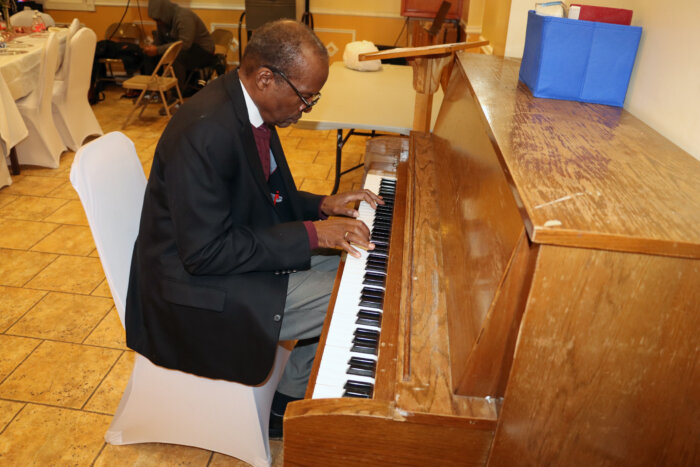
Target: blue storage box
x,y
578,60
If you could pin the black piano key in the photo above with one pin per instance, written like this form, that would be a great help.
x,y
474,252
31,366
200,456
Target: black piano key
x,y
363,363
379,242
378,233
360,372
375,269
372,299
362,347
381,233
369,317
380,253
362,367
375,279
359,387
373,314
355,391
372,304
369,321
376,261
372,292
375,282
377,258
366,333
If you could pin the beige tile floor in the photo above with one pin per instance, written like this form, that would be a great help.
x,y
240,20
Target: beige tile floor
x,y
63,360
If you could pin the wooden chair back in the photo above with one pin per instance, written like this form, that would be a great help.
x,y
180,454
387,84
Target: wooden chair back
x,y
222,40
166,61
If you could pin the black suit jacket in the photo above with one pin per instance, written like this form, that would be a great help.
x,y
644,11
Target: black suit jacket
x,y
208,278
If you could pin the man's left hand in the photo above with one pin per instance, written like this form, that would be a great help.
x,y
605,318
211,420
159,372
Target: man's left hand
x,y
336,205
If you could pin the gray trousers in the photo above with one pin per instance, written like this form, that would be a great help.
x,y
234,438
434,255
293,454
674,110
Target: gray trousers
x,y
308,294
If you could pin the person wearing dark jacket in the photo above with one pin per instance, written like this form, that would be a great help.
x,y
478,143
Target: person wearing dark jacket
x,y
226,262
179,24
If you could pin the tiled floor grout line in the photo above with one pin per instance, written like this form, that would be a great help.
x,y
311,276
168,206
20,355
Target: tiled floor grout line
x,y
13,417
20,363
31,307
97,386
53,406
47,339
98,324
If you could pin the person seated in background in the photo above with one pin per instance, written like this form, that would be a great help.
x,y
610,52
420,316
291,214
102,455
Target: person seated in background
x,y
179,24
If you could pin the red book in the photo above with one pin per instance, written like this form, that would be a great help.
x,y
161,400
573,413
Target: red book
x,y
603,14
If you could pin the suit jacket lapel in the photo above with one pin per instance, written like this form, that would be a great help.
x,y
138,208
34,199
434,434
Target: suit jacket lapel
x,y
233,85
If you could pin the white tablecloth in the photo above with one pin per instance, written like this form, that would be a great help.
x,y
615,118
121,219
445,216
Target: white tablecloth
x,y
21,71
19,76
12,130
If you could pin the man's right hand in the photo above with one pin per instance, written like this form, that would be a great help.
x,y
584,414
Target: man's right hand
x,y
340,233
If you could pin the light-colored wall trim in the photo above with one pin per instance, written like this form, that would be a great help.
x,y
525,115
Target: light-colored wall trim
x,y
352,32
229,5
75,5
240,5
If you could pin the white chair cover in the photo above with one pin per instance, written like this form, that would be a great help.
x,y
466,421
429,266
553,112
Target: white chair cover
x,y
72,113
72,29
43,146
24,18
162,405
12,130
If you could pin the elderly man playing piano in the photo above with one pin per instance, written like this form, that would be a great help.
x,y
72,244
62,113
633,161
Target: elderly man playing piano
x,y
227,259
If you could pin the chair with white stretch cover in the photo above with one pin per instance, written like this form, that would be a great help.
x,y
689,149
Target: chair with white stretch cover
x,y
43,146
24,18
72,113
162,405
62,68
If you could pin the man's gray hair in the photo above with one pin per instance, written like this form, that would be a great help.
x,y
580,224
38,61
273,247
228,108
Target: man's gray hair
x,y
279,44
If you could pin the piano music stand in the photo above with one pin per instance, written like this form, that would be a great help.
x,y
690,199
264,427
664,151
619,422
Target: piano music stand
x,y
365,101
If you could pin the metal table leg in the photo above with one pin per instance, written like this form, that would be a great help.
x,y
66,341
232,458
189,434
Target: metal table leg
x,y
340,142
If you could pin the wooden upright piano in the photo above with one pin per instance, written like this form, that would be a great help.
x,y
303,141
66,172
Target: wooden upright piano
x,y
542,302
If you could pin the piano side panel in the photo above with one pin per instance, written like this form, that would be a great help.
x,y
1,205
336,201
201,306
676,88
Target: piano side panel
x,y
480,226
606,366
423,374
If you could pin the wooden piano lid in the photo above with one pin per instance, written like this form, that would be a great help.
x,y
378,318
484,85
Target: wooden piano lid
x,y
587,175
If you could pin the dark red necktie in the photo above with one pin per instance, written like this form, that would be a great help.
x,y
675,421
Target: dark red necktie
x,y
262,141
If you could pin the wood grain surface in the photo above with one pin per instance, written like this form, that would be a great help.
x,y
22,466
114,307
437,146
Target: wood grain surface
x,y
606,369
587,174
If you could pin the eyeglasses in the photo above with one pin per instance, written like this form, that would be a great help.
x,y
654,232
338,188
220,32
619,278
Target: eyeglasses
x,y
308,103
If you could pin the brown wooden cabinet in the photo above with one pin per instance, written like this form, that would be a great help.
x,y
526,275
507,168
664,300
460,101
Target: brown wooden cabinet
x,y
428,8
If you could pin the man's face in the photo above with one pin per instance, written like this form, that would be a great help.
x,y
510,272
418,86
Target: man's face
x,y
281,105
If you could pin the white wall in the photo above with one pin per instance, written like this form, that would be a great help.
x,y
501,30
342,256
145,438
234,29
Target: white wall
x,y
664,90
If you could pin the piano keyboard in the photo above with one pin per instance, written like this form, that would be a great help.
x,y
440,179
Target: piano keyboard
x,y
349,358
